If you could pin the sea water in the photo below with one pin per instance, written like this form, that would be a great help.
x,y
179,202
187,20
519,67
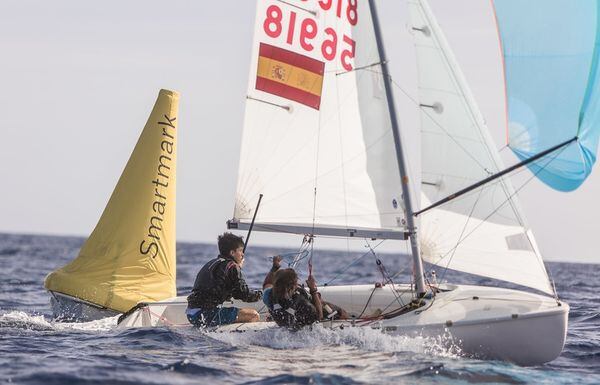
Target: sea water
x,y
36,350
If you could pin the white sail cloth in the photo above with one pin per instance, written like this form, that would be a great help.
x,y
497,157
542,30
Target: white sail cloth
x,y
330,162
317,143
482,232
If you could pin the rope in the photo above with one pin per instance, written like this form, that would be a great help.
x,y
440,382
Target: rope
x,y
384,273
508,199
311,254
438,124
367,303
314,200
162,318
293,258
352,263
461,234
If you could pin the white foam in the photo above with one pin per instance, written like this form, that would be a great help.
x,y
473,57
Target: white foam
x,y
28,321
362,338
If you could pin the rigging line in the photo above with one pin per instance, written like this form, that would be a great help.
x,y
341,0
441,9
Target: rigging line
x,y
342,163
312,12
434,121
406,266
351,264
469,101
486,218
246,184
420,310
260,154
296,256
497,175
384,273
367,303
459,240
242,188
414,192
467,179
340,137
358,68
413,100
312,244
540,261
310,265
300,148
442,47
390,304
352,159
347,96
491,184
503,203
282,137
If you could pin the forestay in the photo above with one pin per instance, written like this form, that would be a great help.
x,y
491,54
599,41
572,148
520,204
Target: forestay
x,y
317,139
482,232
551,50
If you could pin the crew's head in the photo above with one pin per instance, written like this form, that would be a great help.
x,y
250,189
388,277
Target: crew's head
x,y
285,284
231,246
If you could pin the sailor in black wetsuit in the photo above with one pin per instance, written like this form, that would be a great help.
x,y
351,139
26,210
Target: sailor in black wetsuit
x,y
289,304
218,281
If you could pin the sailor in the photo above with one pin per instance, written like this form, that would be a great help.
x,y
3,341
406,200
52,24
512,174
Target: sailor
x,y
290,305
218,281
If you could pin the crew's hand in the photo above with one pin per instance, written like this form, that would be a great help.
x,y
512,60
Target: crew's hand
x,y
277,261
312,284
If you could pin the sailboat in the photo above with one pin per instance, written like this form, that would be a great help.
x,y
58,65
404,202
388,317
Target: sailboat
x,y
323,145
130,255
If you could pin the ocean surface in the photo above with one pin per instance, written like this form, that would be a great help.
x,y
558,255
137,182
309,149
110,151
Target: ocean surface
x,y
36,350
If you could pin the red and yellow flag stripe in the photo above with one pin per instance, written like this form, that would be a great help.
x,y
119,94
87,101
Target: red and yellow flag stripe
x,y
290,75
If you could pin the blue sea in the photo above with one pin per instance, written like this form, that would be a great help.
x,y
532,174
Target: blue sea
x,y
36,350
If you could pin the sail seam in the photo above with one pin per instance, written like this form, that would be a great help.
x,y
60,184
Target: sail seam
x,y
500,206
460,237
468,103
246,188
426,113
325,173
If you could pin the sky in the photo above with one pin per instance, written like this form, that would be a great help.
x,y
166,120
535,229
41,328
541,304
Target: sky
x,y
80,78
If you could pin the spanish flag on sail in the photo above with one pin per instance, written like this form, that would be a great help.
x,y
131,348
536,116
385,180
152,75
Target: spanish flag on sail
x,y
290,75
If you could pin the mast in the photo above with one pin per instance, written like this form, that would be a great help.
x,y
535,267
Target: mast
x,y
410,219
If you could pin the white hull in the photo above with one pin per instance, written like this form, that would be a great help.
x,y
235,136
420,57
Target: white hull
x,y
484,322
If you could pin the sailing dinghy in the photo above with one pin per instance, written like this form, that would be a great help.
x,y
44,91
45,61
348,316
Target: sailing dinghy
x,y
130,255
322,143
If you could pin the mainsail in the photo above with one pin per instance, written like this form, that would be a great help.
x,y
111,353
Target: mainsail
x,y
319,150
130,255
482,232
551,50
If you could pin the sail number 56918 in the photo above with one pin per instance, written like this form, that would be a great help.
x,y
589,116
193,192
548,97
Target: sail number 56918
x,y
274,26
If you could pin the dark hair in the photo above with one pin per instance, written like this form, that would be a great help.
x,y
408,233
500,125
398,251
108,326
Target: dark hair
x,y
228,242
285,281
